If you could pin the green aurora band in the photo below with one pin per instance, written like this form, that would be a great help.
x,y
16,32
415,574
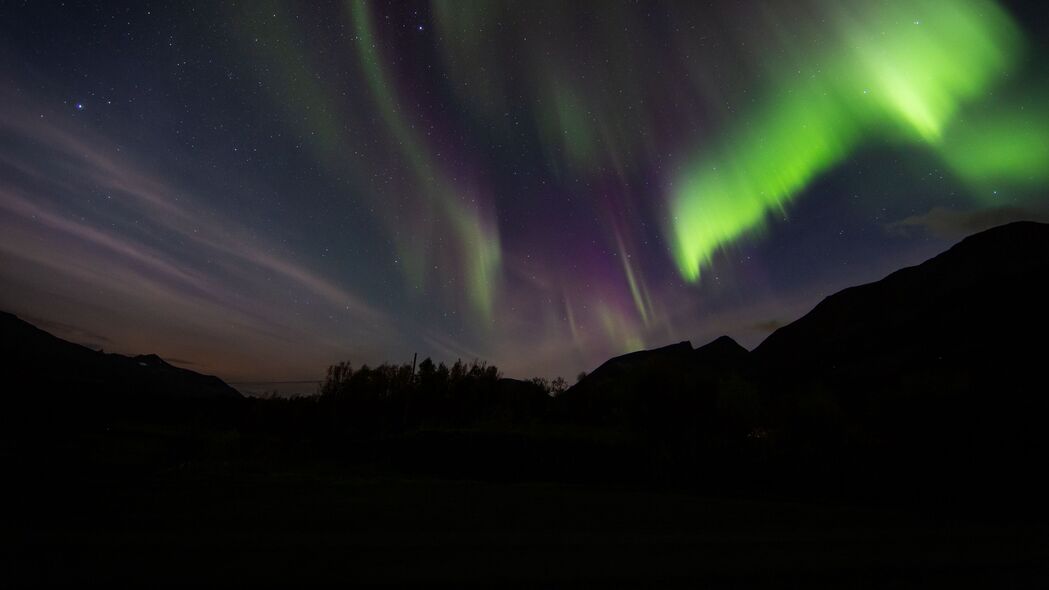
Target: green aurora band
x,y
891,72
1001,146
740,119
335,124
476,241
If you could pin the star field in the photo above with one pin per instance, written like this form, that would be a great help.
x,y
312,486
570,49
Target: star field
x,y
260,189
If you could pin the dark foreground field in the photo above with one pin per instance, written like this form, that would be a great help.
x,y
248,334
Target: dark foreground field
x,y
295,529
892,437
114,519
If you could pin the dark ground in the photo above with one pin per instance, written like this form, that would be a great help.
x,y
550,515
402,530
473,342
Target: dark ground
x,y
121,507
892,437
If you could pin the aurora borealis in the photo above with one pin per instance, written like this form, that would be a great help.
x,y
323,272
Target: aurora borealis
x,y
878,78
260,189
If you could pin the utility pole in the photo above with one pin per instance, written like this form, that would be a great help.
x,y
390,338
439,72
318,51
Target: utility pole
x,y
414,357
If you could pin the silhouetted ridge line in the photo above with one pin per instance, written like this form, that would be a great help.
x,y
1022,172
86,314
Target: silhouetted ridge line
x,y
35,359
922,386
986,293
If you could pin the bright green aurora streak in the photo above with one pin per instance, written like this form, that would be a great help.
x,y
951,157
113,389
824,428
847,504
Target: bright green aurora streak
x,y
893,71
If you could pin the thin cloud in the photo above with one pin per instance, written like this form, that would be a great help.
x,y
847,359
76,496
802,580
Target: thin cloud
x,y
92,224
950,224
767,326
69,332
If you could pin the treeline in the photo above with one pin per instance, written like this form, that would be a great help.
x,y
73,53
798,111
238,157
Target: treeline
x,y
466,418
393,398
433,396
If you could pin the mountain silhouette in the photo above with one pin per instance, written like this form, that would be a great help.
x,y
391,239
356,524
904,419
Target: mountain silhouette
x,y
722,352
641,369
983,300
972,318
936,369
629,370
671,389
892,410
35,360
946,356
933,374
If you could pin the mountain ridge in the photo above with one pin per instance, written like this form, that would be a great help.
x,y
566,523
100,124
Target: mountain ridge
x,y
35,358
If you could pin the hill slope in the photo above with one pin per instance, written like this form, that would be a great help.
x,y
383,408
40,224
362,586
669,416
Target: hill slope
x,y
935,370
982,301
34,360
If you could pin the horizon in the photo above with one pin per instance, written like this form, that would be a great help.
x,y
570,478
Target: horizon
x,y
296,388
259,192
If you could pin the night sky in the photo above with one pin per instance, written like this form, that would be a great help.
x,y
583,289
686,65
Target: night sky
x,y
260,189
